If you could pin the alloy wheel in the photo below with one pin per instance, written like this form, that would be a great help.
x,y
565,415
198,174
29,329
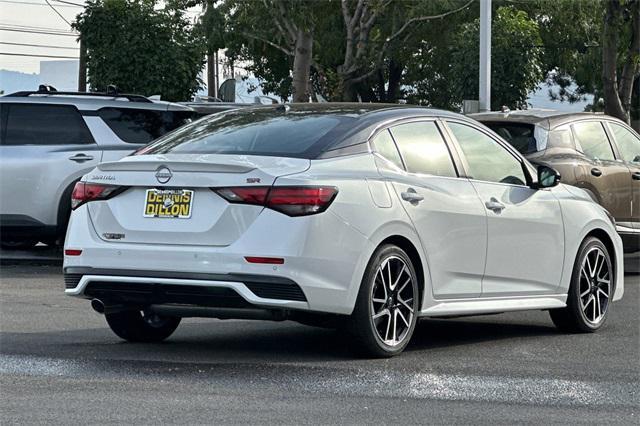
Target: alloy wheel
x,y
392,301
594,285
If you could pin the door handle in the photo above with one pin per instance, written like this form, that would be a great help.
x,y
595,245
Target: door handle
x,y
81,158
596,172
494,205
635,176
411,196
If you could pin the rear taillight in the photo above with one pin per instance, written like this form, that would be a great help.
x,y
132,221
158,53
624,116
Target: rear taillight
x,y
84,192
290,200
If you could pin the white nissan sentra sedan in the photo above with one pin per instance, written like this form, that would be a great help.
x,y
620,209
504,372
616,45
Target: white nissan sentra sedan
x,y
364,216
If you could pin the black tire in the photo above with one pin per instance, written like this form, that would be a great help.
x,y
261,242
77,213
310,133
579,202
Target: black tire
x,y
24,244
136,326
364,328
573,317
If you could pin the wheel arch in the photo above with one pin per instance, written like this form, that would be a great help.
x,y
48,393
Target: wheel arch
x,y
606,239
408,247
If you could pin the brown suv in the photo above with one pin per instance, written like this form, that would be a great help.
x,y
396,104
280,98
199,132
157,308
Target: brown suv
x,y
595,152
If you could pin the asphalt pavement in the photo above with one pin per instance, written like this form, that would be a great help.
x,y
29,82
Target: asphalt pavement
x,y
60,364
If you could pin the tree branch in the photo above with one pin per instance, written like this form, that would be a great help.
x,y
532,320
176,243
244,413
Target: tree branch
x,y
270,43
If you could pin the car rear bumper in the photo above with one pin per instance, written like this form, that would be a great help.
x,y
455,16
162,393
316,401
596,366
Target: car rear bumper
x,y
143,288
324,261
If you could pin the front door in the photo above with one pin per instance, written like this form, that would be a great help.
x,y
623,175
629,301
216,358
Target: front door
x,y
525,248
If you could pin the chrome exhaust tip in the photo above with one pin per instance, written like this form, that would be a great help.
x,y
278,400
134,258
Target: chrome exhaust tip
x,y
98,306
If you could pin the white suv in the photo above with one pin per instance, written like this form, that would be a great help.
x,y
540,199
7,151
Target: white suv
x,y
49,139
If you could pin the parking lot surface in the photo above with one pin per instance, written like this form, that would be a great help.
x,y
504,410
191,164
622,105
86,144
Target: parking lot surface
x,y
59,363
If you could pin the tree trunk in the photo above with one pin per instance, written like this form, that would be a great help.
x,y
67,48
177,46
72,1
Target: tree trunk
x,y
302,66
395,77
610,38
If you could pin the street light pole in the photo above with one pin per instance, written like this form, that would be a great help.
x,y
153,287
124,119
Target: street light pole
x,y
485,56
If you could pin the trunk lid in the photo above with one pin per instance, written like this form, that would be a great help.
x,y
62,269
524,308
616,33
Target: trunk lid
x,y
211,221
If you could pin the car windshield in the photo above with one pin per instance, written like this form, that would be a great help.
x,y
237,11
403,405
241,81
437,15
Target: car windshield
x,y
268,131
520,135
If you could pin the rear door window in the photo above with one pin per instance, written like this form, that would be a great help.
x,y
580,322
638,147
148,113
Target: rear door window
x,y
40,124
592,140
141,126
423,149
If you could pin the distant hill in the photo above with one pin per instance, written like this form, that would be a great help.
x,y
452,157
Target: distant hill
x,y
14,81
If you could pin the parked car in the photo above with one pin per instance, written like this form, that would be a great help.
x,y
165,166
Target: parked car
x,y
595,152
362,215
49,139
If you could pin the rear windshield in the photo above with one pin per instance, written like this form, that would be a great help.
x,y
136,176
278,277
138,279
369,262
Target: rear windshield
x,y
520,135
270,132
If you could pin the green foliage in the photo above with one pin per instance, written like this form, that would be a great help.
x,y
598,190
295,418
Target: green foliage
x,y
447,72
141,49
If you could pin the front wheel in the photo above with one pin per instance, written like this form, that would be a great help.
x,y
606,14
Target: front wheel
x,y
590,291
141,326
385,314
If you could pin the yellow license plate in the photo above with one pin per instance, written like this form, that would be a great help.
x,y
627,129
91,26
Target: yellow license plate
x,y
173,203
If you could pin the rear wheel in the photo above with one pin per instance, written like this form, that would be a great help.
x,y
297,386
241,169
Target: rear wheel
x,y
386,309
590,291
142,326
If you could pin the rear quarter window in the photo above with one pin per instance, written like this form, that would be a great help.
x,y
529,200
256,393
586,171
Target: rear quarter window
x,y
142,126
41,124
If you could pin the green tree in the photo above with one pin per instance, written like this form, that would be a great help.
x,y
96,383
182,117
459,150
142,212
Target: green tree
x,y
141,48
445,73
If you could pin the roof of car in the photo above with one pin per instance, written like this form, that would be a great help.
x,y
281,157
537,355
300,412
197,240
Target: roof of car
x,y
89,101
363,111
546,118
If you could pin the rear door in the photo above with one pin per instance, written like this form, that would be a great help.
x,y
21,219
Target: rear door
x,y
606,176
444,209
44,148
525,248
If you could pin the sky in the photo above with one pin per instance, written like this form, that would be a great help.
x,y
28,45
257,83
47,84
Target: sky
x,y
35,15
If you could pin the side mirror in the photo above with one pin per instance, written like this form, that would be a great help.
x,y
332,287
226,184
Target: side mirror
x,y
636,159
547,177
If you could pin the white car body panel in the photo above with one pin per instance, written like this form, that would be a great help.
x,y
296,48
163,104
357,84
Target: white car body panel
x,y
473,261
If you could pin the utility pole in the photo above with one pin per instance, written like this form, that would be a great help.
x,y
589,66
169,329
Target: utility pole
x,y
82,67
485,56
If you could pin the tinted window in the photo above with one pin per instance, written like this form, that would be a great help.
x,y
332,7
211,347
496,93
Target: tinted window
x,y
384,145
423,149
256,132
592,140
142,126
36,124
487,160
520,136
628,143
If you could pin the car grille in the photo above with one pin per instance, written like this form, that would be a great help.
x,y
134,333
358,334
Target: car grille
x,y
71,280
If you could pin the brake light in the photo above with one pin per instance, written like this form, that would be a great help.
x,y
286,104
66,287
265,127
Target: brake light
x,y
290,200
84,192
